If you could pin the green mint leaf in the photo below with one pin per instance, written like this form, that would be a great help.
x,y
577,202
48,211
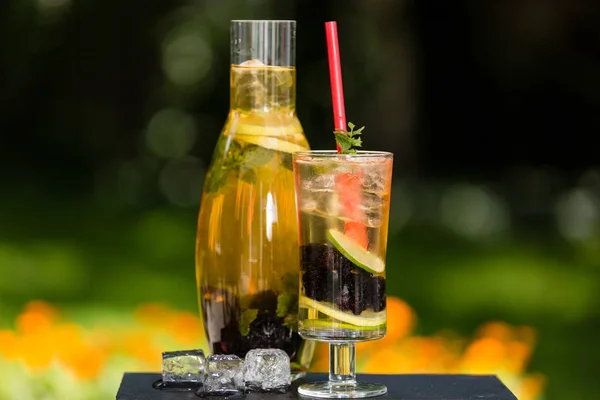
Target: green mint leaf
x,y
248,176
256,156
348,140
358,131
291,322
285,304
344,141
216,178
226,159
232,148
295,366
248,317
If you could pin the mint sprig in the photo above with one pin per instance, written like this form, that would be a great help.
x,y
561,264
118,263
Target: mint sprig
x,y
231,159
286,304
247,318
348,140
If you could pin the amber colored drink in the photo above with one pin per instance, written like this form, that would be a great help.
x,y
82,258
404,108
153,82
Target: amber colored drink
x,y
247,241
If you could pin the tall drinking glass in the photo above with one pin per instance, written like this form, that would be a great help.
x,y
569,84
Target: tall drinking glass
x,y
343,204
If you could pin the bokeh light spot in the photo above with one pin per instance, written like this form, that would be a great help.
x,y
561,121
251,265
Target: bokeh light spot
x,y
402,208
473,211
187,58
171,133
50,5
181,181
578,214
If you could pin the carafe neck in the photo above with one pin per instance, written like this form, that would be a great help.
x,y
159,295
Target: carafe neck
x,y
263,89
263,59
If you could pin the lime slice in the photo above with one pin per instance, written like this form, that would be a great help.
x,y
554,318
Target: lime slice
x,y
272,143
320,323
355,252
366,318
323,214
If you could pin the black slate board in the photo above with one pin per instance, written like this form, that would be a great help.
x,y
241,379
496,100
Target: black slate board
x,y
138,386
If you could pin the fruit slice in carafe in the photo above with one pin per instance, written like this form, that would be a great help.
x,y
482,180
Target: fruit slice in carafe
x,y
272,143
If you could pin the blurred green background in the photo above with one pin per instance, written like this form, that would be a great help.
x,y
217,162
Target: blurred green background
x,y
109,111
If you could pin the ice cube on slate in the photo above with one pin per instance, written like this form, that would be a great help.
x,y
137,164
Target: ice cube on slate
x,y
224,375
267,370
185,366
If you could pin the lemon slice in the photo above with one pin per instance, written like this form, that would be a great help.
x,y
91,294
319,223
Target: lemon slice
x,y
366,318
262,130
354,252
272,143
320,323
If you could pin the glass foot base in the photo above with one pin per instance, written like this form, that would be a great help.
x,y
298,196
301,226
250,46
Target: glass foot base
x,y
297,374
329,390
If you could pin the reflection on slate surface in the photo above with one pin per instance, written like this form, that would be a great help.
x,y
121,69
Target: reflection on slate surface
x,y
138,386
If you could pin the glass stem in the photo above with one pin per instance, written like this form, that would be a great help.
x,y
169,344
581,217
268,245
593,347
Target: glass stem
x,y
342,363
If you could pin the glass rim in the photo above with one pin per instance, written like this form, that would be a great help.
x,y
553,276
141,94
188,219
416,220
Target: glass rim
x,y
333,154
261,21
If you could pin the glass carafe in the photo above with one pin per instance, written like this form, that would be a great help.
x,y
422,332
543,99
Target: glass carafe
x,y
247,241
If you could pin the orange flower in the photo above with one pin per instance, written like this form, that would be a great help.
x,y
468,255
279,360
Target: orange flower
x,y
85,361
141,346
67,338
36,350
384,361
8,344
185,327
152,314
40,339
429,354
37,317
484,356
496,330
532,386
400,322
517,356
400,318
320,361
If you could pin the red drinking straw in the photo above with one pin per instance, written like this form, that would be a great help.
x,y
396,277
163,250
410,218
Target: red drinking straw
x,y
335,76
348,185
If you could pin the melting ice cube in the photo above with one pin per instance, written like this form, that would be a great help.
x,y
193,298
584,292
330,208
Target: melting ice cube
x,y
267,370
224,376
186,366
